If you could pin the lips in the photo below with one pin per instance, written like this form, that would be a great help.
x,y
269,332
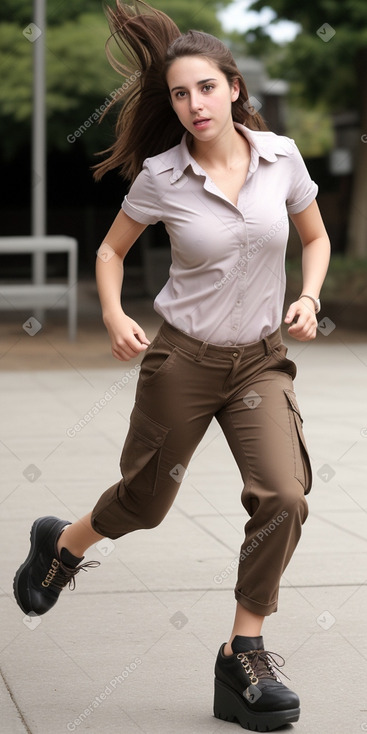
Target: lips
x,y
200,121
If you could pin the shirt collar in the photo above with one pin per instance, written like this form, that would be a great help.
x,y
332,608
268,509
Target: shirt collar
x,y
263,144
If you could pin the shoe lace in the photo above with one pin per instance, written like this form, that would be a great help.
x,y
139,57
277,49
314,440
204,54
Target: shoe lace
x,y
63,575
261,664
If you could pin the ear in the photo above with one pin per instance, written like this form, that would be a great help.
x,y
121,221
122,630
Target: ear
x,y
235,93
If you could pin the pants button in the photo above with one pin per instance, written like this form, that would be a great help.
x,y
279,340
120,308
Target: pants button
x,y
234,354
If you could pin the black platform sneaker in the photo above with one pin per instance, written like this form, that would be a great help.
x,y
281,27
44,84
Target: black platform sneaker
x,y
40,579
247,689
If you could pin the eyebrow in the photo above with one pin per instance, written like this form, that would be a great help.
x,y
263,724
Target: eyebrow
x,y
203,81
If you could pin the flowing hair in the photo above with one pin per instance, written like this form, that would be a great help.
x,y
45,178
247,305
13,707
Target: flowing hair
x,y
147,124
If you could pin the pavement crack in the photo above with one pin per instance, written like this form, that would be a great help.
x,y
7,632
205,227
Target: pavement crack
x,y
14,702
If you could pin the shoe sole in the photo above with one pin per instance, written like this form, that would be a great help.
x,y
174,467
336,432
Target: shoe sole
x,y
27,564
230,706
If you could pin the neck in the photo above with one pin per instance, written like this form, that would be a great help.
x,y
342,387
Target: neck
x,y
221,151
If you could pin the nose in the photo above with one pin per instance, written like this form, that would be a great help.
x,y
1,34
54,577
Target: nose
x,y
195,102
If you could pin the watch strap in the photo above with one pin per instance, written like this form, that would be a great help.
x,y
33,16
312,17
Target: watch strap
x,y
316,301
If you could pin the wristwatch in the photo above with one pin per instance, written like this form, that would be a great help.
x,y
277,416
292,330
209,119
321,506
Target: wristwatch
x,y
316,301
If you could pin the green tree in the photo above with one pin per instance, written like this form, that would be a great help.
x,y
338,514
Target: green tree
x,y
78,76
328,58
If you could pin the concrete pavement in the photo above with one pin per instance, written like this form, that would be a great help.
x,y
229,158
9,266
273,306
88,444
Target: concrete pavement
x,y
132,649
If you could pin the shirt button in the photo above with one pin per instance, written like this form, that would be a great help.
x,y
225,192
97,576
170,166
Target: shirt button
x,y
238,303
235,327
175,176
242,246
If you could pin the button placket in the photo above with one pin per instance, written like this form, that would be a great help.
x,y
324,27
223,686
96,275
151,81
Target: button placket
x,y
238,304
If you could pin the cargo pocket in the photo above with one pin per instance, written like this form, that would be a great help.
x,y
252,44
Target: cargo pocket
x,y
302,465
141,453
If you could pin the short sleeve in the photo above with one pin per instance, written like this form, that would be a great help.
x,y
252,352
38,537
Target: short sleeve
x,y
302,189
142,202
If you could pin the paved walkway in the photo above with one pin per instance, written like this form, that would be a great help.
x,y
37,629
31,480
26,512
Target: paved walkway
x,y
132,649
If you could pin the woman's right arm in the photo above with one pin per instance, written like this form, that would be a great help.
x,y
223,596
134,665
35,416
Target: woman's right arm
x,y
127,337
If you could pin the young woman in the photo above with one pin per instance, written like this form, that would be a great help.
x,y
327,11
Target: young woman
x,y
202,161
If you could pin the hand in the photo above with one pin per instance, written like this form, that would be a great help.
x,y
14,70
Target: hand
x,y
127,337
302,319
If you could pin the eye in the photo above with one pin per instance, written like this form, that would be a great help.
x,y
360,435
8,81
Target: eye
x,y
180,95
208,87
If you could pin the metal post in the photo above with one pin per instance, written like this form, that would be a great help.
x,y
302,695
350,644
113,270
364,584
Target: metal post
x,y
39,140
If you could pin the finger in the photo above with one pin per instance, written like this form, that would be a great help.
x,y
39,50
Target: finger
x,y
135,344
136,339
139,333
305,320
299,323
307,333
142,338
300,335
123,350
291,313
122,354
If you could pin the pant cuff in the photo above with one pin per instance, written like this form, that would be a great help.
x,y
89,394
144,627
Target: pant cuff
x,y
254,606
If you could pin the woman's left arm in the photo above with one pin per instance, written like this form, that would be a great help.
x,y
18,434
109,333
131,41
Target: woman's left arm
x,y
315,261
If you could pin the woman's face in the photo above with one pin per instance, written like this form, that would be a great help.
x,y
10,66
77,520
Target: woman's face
x,y
201,96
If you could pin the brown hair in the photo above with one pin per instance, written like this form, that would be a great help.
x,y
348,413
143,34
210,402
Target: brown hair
x,y
147,124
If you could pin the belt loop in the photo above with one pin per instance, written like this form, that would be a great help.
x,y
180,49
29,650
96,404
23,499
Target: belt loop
x,y
267,346
201,352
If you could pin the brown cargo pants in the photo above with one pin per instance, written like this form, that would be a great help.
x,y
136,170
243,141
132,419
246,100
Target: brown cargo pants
x,y
183,384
